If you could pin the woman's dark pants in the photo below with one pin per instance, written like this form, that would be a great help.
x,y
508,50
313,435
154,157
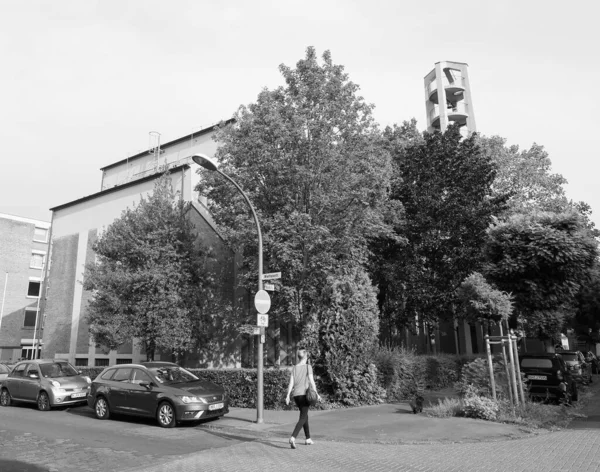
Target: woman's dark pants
x,y
303,406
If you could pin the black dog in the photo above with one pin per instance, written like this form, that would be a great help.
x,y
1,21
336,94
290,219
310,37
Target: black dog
x,y
417,405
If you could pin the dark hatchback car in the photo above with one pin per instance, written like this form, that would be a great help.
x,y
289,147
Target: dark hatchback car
x,y
548,377
161,390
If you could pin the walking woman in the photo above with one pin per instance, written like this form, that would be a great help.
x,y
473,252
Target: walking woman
x,y
300,378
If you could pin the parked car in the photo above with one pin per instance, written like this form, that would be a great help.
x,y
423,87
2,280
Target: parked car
x,y
161,390
4,371
548,377
592,359
47,382
578,366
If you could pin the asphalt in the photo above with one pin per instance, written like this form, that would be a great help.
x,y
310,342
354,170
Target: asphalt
x,y
388,423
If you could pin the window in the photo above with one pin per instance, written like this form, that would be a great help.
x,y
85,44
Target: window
x,y
30,316
108,374
34,288
140,376
101,363
124,361
540,362
122,375
32,369
81,362
37,260
40,234
27,352
18,371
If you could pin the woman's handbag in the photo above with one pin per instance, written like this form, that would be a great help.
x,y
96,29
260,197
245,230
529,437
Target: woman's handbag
x,y
311,393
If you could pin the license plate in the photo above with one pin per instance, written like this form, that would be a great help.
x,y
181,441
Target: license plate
x,y
78,395
216,406
537,377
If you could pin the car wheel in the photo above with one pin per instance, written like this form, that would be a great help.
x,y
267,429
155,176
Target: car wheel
x,y
166,415
101,408
574,392
43,402
5,399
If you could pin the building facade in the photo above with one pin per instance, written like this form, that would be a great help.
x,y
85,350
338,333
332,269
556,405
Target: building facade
x,y
23,255
79,223
448,97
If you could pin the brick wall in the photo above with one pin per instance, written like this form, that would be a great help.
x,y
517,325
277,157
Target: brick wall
x,y
16,245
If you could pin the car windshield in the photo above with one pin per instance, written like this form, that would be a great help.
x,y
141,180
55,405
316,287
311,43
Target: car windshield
x,y
58,369
537,362
569,357
172,375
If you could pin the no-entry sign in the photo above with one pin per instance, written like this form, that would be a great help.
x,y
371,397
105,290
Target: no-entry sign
x,y
262,301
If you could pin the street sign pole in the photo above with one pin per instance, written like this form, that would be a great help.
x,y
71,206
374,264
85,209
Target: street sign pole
x,y
259,369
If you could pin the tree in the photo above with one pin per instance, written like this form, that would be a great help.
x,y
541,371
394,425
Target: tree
x,y
444,185
542,259
148,282
482,301
526,177
345,329
310,158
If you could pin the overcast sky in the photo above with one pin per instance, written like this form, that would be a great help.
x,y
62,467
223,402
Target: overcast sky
x,y
84,82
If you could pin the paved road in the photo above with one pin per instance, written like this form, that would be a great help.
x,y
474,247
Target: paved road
x,y
565,451
73,439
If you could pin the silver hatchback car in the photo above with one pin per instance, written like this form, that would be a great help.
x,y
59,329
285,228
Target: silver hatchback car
x,y
45,382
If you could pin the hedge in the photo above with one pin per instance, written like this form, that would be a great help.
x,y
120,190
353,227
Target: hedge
x,y
401,374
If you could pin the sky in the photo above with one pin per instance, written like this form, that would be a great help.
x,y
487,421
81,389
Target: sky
x,y
84,82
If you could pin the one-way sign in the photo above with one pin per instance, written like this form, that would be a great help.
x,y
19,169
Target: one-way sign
x,y
272,276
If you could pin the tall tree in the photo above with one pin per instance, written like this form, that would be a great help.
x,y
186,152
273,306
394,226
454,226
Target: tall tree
x,y
309,156
526,176
542,259
149,280
444,184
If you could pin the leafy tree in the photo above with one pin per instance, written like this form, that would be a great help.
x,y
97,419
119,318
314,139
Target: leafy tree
x,y
148,282
482,301
346,329
444,184
587,315
526,176
309,156
542,259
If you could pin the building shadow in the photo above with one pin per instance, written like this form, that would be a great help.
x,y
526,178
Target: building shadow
x,y
8,465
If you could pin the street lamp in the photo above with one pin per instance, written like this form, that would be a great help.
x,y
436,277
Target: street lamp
x,y
204,161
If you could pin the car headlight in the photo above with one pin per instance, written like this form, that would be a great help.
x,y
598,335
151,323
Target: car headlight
x,y
189,399
87,379
55,384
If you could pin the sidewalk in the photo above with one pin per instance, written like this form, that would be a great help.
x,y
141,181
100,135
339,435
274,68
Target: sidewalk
x,y
386,423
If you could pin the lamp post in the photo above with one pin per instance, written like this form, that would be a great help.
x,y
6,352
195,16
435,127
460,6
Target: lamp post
x,y
206,162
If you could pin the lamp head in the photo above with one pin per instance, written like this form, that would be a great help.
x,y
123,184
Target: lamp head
x,y
204,161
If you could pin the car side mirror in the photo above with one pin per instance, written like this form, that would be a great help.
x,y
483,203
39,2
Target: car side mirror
x,y
34,376
80,372
146,384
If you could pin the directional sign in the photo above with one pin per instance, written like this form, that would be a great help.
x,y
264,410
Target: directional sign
x,y
269,287
262,320
262,302
272,276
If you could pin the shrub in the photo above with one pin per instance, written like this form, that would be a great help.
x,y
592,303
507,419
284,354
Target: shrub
x,y
476,375
347,332
446,408
403,372
477,406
